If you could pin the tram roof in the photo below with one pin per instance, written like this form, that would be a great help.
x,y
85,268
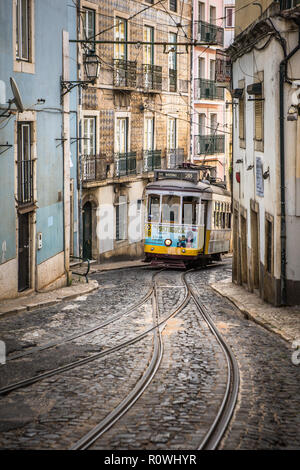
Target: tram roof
x,y
169,184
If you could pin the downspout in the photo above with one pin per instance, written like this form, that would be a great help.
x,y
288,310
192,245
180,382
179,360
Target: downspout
x,y
282,80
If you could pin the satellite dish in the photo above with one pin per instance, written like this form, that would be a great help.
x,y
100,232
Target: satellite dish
x,y
17,97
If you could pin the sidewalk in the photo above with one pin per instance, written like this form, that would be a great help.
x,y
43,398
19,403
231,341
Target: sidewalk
x,y
78,287
284,321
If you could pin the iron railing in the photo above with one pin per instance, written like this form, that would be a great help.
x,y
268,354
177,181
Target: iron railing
x,y
25,181
209,33
209,144
175,158
125,164
286,4
124,73
151,160
94,168
207,90
223,67
152,77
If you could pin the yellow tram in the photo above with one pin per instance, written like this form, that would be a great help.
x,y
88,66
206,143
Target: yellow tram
x,y
188,221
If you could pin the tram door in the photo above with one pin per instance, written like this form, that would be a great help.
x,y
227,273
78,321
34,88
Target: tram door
x,y
87,230
203,222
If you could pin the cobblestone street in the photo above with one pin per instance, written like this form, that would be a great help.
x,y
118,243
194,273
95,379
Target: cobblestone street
x,y
83,358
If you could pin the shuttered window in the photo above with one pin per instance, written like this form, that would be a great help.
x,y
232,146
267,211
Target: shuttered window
x,y
258,117
242,117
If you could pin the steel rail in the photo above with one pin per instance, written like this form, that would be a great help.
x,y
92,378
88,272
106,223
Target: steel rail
x,y
216,431
127,403
53,344
81,362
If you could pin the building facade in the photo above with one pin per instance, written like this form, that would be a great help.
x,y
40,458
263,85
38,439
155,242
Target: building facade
x,y
266,195
136,117
38,174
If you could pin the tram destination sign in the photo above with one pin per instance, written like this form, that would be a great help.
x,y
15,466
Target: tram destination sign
x,y
186,175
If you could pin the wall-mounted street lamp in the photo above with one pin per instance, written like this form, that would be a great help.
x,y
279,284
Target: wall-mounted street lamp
x,y
91,65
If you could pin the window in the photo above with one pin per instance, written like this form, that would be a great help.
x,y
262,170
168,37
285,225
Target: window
x,y
173,5
89,26
121,218
149,133
212,14
212,70
122,135
121,35
189,210
23,26
201,11
89,134
148,48
172,131
170,209
229,17
154,208
242,117
173,62
201,67
258,112
25,164
213,123
201,123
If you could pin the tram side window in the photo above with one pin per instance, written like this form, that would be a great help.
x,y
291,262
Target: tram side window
x,y
153,213
222,215
189,210
170,209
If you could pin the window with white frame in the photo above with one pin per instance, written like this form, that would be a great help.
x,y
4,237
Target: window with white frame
x,y
88,19
121,218
172,133
201,123
148,48
122,135
229,17
201,11
121,35
23,29
149,133
89,135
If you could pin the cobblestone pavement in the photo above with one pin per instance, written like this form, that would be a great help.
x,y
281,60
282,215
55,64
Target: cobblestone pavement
x,y
176,409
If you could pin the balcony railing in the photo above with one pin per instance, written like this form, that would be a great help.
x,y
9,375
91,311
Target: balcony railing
x,y
152,160
25,181
125,164
207,90
223,67
210,34
152,77
124,73
209,144
286,4
94,168
175,158
172,80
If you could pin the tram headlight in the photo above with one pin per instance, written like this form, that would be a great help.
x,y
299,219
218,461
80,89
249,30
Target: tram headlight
x,y
168,242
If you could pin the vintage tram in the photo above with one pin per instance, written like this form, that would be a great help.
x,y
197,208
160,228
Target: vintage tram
x,y
188,221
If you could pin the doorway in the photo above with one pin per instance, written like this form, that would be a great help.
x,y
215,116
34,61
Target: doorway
x,y
23,253
87,230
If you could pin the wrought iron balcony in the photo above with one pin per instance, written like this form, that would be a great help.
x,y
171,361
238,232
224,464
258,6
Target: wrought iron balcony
x,y
25,181
207,90
286,4
209,144
172,80
209,33
223,67
175,158
152,160
94,168
125,164
124,73
152,77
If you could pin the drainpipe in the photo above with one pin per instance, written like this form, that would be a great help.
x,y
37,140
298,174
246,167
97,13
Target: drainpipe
x,y
282,80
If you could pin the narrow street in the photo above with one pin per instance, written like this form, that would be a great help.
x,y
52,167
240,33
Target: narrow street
x,y
135,366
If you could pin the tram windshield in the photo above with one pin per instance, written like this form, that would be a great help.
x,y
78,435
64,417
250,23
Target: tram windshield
x,y
189,210
153,205
170,209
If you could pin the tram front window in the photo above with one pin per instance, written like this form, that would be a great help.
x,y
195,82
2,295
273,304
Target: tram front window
x,y
153,213
170,209
189,210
